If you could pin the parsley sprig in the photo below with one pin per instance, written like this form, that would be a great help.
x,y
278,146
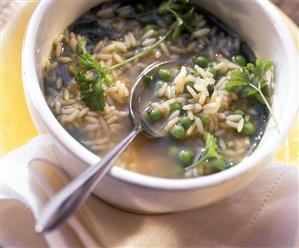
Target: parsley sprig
x,y
181,20
92,76
251,81
211,158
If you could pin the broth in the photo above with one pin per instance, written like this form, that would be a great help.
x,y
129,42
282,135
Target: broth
x,y
114,32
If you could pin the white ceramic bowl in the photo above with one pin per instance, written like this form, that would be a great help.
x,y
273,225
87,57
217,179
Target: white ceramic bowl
x,y
259,24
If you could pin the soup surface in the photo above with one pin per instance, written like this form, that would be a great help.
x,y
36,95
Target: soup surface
x,y
212,105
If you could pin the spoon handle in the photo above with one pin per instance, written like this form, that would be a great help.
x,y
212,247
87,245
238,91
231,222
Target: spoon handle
x,y
69,199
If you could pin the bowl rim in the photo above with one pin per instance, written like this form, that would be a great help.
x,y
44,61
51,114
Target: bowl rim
x,y
33,91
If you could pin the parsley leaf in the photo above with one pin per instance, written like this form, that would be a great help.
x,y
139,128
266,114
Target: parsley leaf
x,y
250,74
93,96
168,6
252,82
261,68
181,20
211,157
91,78
237,78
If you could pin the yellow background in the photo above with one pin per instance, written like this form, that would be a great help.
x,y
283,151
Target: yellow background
x,y
16,126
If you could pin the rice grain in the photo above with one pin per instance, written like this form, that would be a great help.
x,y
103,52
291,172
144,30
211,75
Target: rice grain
x,y
201,32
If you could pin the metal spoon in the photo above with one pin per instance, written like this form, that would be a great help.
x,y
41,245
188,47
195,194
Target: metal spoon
x,y
69,199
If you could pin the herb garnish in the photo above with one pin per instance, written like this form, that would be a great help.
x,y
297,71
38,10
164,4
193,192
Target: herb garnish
x,y
181,20
92,76
251,81
211,158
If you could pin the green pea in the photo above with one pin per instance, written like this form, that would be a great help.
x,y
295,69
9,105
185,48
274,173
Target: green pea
x,y
149,27
238,112
173,151
248,128
146,80
175,106
201,61
205,119
186,157
153,114
239,60
178,131
165,74
159,84
186,122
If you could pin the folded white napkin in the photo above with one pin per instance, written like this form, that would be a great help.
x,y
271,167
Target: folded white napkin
x,y
264,214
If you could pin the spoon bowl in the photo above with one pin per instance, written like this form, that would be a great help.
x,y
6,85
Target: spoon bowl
x,y
136,112
135,102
